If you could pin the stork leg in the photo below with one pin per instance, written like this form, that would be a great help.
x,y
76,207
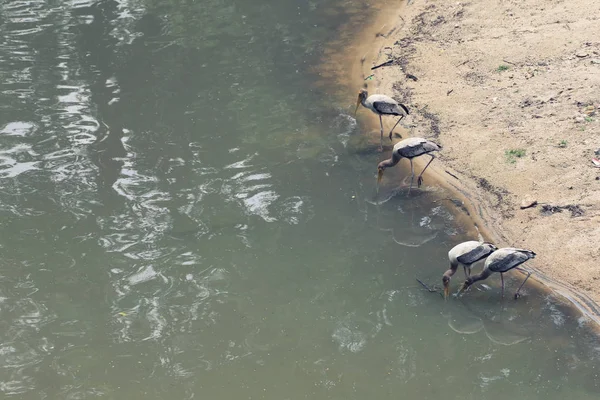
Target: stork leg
x,y
399,119
502,279
519,289
420,178
381,137
467,271
412,175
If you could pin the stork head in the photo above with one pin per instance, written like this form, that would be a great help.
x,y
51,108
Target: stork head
x,y
446,283
380,168
362,95
465,285
390,162
491,246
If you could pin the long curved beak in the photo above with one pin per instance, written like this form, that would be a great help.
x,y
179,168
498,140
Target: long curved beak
x,y
379,175
462,289
446,291
357,104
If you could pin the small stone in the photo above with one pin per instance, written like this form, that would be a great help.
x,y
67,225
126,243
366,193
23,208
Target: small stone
x,y
528,202
582,54
590,110
548,98
595,60
579,118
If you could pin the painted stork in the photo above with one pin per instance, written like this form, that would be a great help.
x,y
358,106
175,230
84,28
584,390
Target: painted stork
x,y
409,148
381,104
501,261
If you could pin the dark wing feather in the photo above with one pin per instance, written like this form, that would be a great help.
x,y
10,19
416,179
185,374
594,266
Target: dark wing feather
x,y
529,253
430,146
387,108
509,261
478,253
418,149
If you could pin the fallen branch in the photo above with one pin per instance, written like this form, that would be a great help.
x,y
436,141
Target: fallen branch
x,y
452,175
388,62
427,287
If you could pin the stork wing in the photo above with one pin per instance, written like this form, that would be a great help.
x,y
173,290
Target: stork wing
x,y
430,146
387,108
510,261
478,253
413,147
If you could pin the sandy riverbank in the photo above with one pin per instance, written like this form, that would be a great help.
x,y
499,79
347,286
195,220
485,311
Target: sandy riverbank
x,y
511,90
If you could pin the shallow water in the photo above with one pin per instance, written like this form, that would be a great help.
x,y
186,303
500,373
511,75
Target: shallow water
x,y
184,215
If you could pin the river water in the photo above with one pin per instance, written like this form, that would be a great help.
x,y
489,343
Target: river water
x,y
184,216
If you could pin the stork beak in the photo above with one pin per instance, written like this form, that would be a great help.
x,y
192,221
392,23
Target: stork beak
x,y
357,104
379,175
462,288
446,290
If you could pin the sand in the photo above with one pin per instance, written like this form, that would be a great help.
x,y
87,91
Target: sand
x,y
511,90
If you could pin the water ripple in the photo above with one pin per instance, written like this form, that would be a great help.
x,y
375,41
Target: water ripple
x,y
62,123
18,128
22,348
353,332
296,209
251,189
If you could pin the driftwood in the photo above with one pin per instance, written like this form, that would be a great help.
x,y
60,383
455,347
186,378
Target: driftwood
x,y
430,290
451,174
384,64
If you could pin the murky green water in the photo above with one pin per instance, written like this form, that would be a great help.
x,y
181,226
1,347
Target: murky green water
x,y
182,216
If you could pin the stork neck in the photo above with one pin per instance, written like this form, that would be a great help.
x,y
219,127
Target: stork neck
x,y
481,276
452,270
363,100
390,162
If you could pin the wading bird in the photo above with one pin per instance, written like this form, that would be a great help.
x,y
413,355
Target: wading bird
x,y
409,148
502,260
381,104
465,254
